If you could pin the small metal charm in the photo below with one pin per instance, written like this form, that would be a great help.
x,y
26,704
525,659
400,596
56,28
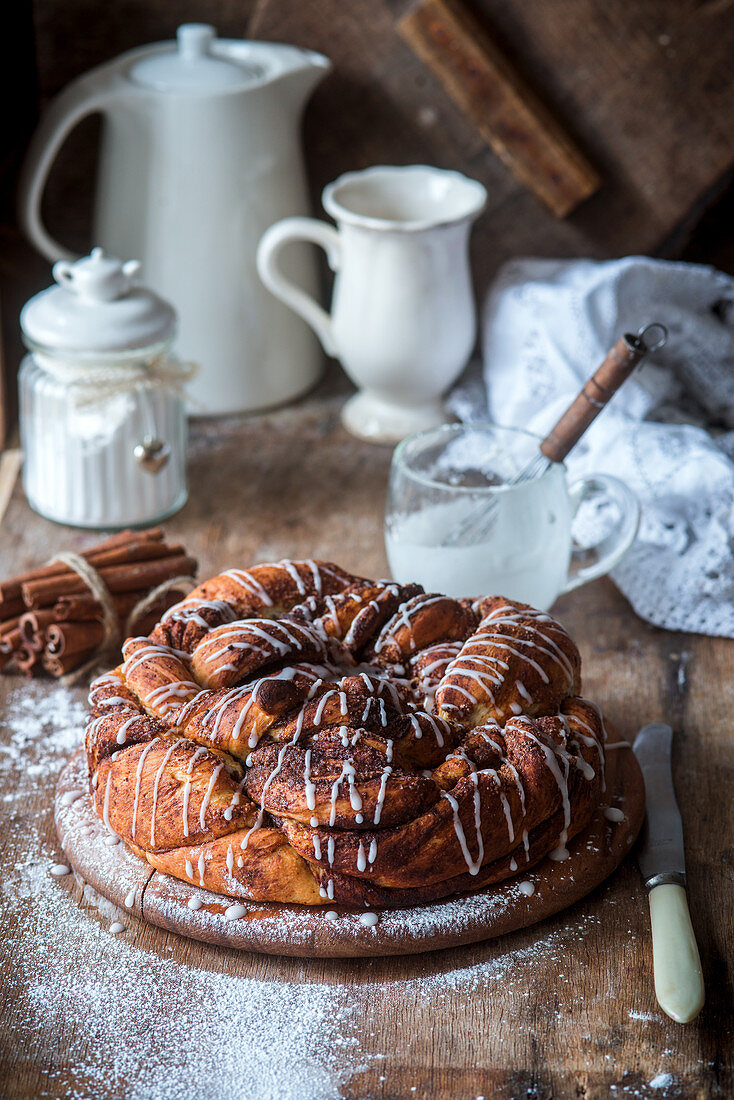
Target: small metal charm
x,y
152,454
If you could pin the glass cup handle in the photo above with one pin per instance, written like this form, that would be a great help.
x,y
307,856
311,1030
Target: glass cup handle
x,y
615,545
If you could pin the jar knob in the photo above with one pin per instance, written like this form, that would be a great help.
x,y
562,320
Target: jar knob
x,y
97,278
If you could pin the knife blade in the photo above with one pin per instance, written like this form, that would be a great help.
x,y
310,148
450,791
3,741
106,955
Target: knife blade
x,y
661,858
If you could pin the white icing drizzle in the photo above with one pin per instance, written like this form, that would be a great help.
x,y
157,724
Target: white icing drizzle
x,y
149,649
167,697
106,804
551,758
523,692
138,774
234,912
473,865
58,870
403,618
250,584
612,813
235,800
308,783
158,775
207,797
527,888
348,773
130,899
386,773
122,732
559,854
69,797
187,789
195,903
369,920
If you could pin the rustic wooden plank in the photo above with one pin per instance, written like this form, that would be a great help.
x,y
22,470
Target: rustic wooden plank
x,y
10,464
645,89
563,1010
499,102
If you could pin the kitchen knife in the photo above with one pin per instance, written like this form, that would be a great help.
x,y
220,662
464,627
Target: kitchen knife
x,y
676,962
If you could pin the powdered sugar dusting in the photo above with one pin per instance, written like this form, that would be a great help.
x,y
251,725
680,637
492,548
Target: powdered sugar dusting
x,y
44,728
139,1022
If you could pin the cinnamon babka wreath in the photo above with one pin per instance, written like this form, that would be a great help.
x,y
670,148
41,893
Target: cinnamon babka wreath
x,y
293,733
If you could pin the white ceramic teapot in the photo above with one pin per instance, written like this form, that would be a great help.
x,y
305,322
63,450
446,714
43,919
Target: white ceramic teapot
x,y
200,154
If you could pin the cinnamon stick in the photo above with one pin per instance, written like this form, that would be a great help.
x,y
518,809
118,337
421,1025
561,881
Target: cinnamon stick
x,y
118,578
84,607
59,666
65,639
33,626
10,641
8,625
26,659
12,607
8,644
101,553
134,550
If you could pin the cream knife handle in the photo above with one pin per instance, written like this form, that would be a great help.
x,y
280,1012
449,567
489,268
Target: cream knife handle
x,y
676,962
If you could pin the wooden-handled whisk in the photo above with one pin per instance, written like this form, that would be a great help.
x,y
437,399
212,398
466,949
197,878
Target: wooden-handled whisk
x,y
619,364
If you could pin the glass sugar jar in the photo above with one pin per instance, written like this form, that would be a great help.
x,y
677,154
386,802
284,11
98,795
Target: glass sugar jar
x,y
102,417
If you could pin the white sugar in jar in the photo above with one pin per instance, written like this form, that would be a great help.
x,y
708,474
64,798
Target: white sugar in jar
x,y
102,418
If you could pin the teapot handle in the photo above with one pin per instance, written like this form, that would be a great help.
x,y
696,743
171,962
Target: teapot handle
x,y
271,244
83,97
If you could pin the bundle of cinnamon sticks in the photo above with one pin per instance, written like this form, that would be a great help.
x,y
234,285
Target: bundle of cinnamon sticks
x,y
49,618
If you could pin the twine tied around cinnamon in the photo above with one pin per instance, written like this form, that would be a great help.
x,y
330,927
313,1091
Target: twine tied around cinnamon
x,y
115,629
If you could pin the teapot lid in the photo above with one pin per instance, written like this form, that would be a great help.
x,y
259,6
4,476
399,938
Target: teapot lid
x,y
193,66
96,307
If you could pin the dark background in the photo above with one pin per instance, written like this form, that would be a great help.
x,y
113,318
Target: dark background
x,y
645,88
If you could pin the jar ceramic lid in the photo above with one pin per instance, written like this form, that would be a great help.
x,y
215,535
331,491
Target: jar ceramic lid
x,y
194,66
97,307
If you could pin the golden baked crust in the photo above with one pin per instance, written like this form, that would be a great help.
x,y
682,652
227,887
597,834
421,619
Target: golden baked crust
x,y
293,733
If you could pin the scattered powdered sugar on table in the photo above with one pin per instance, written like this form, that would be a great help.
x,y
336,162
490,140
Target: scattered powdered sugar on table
x,y
45,727
244,1037
139,1023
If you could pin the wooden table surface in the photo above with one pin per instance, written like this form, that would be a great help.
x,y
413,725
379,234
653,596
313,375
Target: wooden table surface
x,y
565,1009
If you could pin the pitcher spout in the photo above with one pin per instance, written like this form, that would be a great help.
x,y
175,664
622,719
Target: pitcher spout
x,y
300,71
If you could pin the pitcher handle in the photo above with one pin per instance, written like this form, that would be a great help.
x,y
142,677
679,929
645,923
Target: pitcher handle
x,y
62,115
268,253
615,545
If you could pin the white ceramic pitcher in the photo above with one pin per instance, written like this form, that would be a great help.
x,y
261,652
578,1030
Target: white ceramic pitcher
x,y
403,320
200,154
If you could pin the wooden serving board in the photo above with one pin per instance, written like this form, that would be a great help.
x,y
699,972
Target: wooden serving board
x,y
133,885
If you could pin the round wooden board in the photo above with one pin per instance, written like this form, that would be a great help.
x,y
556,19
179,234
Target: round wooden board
x,y
133,885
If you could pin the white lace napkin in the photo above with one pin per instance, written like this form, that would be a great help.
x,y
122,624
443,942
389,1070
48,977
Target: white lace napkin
x,y
547,325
